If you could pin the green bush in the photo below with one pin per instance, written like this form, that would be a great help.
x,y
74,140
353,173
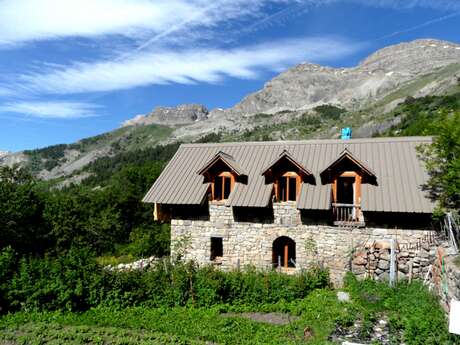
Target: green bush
x,y
415,316
75,282
329,111
67,282
8,263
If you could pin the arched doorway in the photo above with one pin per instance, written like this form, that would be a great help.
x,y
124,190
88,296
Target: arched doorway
x,y
284,252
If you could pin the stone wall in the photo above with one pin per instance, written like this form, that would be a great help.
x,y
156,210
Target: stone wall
x,y
373,260
453,279
363,250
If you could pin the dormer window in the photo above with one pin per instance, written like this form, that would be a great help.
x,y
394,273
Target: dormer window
x,y
288,186
346,175
221,172
287,176
222,185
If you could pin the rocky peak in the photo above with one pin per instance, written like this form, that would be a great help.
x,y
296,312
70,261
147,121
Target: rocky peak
x,y
308,85
180,115
411,57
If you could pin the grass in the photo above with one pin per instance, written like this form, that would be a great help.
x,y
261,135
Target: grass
x,y
181,325
414,318
112,260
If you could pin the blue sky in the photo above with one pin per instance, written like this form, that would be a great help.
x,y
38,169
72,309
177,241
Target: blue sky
x,y
76,68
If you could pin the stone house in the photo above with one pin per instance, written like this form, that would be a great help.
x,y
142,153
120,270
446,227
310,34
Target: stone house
x,y
290,204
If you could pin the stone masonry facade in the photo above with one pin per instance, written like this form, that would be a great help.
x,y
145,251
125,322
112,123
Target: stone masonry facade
x,y
365,251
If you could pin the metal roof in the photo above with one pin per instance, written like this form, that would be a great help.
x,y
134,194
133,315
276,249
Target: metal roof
x,y
285,155
347,154
227,159
399,173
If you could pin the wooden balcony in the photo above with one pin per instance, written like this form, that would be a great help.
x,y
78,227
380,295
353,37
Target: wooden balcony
x,y
347,215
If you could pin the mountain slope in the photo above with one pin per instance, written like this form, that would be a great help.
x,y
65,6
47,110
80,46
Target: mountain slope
x,y
288,107
307,85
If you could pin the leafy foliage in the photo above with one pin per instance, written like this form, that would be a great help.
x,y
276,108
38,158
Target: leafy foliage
x,y
419,114
74,281
415,316
21,222
442,160
105,220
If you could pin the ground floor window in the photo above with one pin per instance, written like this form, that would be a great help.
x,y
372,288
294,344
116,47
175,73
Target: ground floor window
x,y
284,252
217,249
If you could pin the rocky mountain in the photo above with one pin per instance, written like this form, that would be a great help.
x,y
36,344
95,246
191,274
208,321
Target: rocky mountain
x,y
387,77
290,106
308,85
180,115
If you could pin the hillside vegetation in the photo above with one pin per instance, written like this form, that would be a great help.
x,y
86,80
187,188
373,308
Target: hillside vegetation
x,y
124,139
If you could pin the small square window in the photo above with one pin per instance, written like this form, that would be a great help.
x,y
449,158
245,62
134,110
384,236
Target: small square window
x,y
217,248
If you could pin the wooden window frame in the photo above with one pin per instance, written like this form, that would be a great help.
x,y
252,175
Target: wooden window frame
x,y
287,175
357,188
224,175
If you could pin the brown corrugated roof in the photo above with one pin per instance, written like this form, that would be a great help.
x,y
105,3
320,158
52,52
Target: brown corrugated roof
x,y
285,155
227,159
399,173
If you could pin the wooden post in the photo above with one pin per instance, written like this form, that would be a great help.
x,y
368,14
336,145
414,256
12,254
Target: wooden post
x,y
357,200
277,196
286,252
213,182
392,263
410,271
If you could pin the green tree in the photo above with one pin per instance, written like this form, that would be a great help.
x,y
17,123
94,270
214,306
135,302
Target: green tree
x,y
21,221
442,159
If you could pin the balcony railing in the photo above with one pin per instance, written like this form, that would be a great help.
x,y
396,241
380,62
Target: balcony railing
x,y
347,214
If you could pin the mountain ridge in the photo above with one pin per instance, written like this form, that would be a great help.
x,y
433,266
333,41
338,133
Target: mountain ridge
x,y
299,96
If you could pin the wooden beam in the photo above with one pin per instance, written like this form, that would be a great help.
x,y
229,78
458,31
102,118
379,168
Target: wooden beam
x,y
334,191
357,200
286,255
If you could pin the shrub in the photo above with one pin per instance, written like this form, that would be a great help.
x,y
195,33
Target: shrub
x,y
329,111
415,316
67,282
7,268
75,282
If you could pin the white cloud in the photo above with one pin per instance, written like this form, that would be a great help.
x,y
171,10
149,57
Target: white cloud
x,y
28,20
58,109
184,67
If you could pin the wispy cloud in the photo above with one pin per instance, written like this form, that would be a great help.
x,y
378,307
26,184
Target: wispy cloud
x,y
165,40
184,66
421,25
447,5
29,20
5,92
58,109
